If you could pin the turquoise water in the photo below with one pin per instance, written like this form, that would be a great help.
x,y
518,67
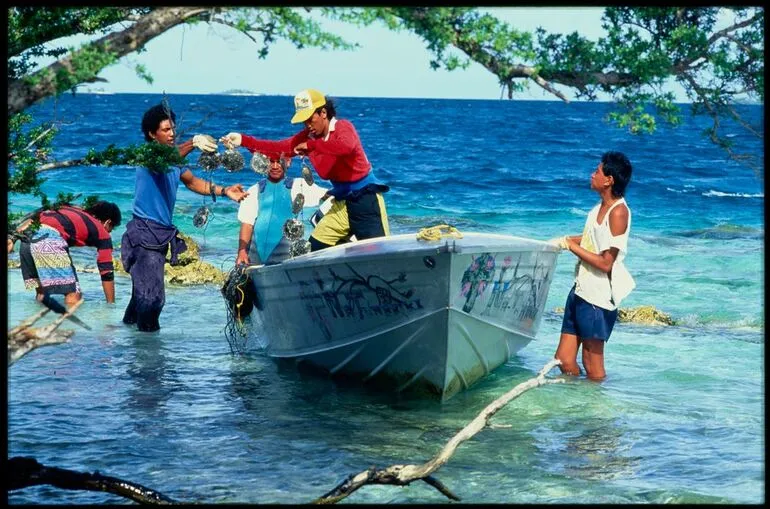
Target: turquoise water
x,y
679,419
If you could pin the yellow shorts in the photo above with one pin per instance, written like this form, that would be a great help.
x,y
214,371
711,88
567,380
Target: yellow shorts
x,y
363,216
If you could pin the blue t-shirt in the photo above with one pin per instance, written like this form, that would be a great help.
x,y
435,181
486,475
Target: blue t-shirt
x,y
155,194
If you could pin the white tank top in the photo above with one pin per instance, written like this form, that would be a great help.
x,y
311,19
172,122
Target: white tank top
x,y
593,285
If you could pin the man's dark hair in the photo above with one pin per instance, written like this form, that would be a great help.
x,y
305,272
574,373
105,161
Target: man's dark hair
x,y
153,117
104,210
331,111
617,166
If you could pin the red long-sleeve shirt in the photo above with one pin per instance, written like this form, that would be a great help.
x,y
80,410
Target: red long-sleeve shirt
x,y
79,228
340,158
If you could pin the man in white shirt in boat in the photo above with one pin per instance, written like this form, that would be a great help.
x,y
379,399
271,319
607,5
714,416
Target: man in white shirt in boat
x,y
266,209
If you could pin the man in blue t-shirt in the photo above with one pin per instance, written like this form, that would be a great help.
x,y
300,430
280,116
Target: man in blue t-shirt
x,y
150,232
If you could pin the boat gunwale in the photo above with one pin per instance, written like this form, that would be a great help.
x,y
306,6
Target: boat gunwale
x,y
429,247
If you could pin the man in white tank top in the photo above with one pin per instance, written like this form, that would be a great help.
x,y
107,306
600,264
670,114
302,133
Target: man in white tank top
x,y
601,279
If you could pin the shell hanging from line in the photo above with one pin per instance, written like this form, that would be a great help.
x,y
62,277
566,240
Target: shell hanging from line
x,y
209,161
299,247
297,204
307,175
201,217
260,164
233,160
293,229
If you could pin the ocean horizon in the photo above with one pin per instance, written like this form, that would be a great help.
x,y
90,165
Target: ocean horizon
x,y
252,93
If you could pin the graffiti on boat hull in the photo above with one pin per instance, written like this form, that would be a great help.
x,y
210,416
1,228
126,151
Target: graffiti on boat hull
x,y
506,288
355,296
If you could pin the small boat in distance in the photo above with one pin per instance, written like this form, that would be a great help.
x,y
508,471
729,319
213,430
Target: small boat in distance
x,y
421,316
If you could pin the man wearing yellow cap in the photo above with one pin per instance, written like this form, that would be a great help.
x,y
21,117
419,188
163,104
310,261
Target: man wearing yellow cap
x,y
335,151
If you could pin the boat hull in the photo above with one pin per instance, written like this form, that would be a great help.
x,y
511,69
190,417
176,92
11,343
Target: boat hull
x,y
422,317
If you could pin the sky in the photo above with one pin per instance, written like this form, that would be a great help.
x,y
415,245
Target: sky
x,y
210,58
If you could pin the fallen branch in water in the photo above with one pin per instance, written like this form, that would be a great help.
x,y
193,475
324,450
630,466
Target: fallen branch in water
x,y
402,475
26,472
24,338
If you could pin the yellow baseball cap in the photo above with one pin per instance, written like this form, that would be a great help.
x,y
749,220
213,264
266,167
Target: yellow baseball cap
x,y
305,103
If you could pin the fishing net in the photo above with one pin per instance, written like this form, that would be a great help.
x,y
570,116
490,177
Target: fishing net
x,y
240,298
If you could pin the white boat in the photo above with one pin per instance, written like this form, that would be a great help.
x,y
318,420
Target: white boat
x,y
406,314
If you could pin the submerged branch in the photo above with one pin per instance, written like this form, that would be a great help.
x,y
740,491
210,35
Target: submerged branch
x,y
26,472
402,475
24,338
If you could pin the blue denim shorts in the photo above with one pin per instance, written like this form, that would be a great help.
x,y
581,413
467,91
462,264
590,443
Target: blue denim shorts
x,y
587,321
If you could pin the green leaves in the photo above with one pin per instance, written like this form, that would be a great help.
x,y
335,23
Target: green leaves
x,y
87,62
31,30
715,53
27,148
142,72
273,23
155,157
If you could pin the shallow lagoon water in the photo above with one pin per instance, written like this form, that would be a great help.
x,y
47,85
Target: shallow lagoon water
x,y
680,418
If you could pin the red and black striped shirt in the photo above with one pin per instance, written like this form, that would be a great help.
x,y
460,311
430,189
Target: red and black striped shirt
x,y
79,229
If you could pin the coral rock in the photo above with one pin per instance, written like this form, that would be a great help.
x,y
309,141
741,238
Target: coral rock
x,y
191,270
646,315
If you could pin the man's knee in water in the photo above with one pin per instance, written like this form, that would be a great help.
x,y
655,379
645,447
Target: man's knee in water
x,y
317,245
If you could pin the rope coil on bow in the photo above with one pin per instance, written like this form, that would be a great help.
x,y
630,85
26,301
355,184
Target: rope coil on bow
x,y
438,232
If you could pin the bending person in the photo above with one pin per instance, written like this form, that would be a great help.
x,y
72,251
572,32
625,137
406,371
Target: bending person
x,y
150,233
46,263
337,155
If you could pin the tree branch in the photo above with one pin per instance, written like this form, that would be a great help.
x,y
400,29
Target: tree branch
x,y
35,140
737,117
21,95
747,159
718,35
402,475
26,472
24,338
59,164
547,86
233,25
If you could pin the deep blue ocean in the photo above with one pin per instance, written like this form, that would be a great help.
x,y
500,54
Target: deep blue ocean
x,y
680,418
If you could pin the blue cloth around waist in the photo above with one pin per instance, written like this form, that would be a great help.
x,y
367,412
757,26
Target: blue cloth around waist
x,y
149,234
369,183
